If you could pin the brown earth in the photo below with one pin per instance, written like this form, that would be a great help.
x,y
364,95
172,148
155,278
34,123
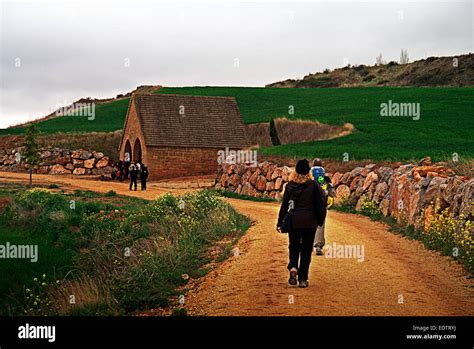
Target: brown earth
x,y
254,280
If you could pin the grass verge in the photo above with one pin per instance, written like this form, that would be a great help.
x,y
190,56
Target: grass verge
x,y
113,255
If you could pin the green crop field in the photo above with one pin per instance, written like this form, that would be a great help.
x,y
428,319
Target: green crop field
x,y
108,117
445,126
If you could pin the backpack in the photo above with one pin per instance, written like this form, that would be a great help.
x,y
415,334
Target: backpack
x,y
317,171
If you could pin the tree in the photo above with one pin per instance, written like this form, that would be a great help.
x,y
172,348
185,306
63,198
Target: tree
x,y
379,60
31,153
274,133
404,57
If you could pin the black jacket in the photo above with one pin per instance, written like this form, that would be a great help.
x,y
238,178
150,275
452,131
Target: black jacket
x,y
309,205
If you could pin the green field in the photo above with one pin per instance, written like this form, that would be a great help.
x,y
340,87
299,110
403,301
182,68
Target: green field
x,y
445,126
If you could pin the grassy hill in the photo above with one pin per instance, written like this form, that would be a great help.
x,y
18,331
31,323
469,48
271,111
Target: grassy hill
x,y
108,117
445,125
432,71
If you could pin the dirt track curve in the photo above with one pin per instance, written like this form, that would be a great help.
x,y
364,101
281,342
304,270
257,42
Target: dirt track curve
x,y
254,282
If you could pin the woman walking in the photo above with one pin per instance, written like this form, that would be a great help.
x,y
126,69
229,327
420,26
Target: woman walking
x,y
303,202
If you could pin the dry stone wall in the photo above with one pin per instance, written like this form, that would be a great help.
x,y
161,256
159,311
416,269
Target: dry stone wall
x,y
410,193
59,161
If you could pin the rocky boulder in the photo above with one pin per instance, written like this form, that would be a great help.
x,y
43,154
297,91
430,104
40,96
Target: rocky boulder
x,y
79,171
89,163
104,162
58,170
342,194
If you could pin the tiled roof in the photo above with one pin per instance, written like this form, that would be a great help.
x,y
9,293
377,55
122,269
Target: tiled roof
x,y
190,121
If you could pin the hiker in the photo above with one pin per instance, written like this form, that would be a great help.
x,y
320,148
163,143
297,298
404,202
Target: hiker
x,y
120,166
144,176
318,174
317,170
304,207
133,176
139,168
326,185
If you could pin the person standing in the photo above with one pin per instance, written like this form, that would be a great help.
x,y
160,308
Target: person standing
x,y
144,176
305,201
133,176
120,167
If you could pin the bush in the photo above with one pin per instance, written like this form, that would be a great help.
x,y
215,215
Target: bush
x,y
370,208
323,81
233,195
39,198
181,229
167,238
453,237
37,302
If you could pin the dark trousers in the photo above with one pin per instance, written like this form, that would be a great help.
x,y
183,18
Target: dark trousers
x,y
301,248
134,182
143,184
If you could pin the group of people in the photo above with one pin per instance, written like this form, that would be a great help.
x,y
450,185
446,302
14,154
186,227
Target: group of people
x,y
129,170
306,198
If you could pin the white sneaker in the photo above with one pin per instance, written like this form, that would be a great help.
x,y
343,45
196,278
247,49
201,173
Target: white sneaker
x,y
293,275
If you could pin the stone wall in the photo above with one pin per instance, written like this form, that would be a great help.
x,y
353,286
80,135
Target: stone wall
x,y
403,192
60,161
264,180
172,162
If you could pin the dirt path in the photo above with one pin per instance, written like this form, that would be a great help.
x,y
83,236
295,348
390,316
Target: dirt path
x,y
254,282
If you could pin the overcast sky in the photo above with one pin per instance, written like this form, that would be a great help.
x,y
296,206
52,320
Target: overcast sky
x,y
54,52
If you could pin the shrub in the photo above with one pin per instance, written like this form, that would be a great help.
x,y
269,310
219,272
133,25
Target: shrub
x,y
181,229
233,195
167,237
37,302
370,208
322,81
452,236
39,198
